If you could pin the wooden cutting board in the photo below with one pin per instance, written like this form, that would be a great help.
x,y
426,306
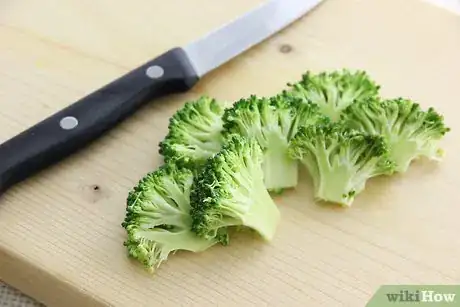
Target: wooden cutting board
x,y
60,235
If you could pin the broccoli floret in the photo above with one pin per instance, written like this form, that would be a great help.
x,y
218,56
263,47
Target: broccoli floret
x,y
158,220
230,193
334,91
194,133
410,132
272,122
340,160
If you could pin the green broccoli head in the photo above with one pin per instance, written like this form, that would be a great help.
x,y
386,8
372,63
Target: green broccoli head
x,y
194,133
410,132
334,91
272,122
340,160
158,220
230,192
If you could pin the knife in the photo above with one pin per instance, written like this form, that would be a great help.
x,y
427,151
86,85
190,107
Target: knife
x,y
175,71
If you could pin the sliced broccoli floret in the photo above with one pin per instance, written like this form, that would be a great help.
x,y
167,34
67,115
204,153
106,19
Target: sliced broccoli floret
x,y
272,122
194,133
334,91
158,220
410,132
340,160
230,192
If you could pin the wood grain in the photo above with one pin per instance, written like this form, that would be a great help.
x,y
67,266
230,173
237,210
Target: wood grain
x,y
61,240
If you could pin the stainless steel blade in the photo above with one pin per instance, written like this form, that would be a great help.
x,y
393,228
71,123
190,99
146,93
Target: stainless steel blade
x,y
227,42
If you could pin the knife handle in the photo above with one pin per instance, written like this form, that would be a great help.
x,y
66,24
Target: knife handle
x,y
70,129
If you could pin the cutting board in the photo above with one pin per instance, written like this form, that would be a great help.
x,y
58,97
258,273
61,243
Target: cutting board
x,y
60,235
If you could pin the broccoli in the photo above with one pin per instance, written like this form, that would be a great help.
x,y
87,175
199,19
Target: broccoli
x,y
229,193
272,122
194,133
409,131
158,220
340,160
334,91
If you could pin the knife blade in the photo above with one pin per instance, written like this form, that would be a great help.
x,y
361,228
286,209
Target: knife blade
x,y
176,70
229,41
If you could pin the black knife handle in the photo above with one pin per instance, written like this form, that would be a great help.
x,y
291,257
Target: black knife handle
x,y
72,128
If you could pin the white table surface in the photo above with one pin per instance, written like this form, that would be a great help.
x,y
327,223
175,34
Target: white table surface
x,y
10,297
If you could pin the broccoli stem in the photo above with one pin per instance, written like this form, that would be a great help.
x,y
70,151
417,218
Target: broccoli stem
x,y
171,241
263,216
402,152
280,171
331,110
152,246
336,184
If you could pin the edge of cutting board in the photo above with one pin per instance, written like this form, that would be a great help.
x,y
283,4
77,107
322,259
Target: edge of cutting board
x,y
42,285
